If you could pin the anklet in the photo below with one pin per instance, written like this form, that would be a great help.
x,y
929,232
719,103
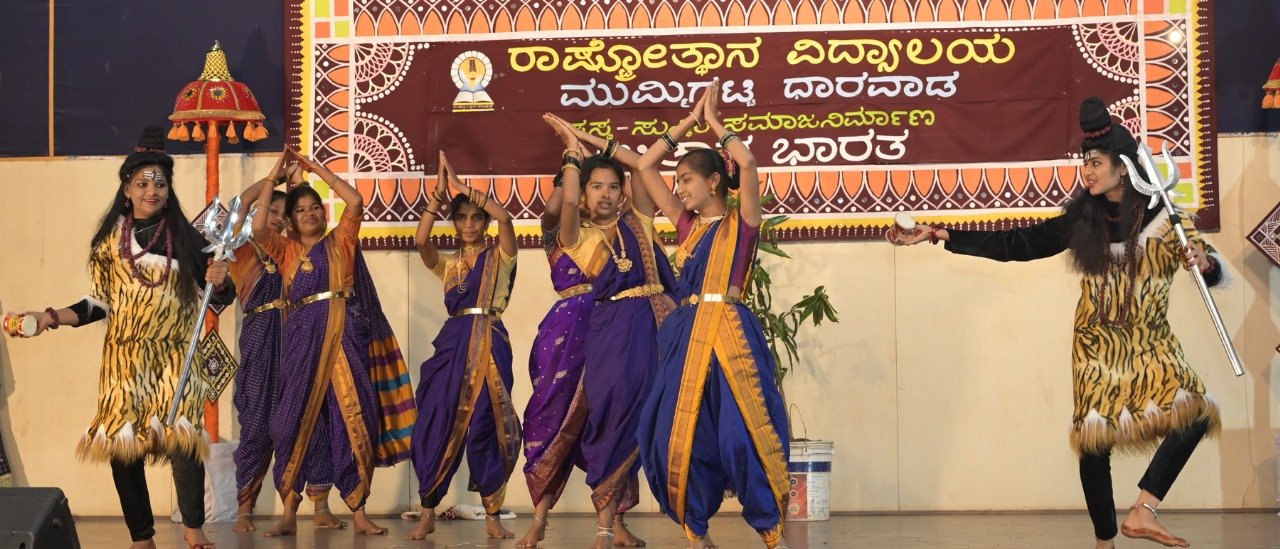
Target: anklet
x,y
494,517
1149,508
543,521
604,532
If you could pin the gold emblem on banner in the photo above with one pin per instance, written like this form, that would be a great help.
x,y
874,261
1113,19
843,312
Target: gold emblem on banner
x,y
472,71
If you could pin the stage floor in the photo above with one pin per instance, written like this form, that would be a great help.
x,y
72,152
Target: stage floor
x,y
1032,530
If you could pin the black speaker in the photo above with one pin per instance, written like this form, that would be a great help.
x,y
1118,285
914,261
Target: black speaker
x,y
36,518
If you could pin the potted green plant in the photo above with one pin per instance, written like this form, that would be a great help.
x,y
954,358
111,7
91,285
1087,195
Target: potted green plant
x,y
810,462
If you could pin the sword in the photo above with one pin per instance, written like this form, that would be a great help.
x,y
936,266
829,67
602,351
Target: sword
x,y
1160,189
223,241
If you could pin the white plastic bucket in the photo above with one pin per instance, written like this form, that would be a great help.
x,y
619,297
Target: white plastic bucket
x,y
810,470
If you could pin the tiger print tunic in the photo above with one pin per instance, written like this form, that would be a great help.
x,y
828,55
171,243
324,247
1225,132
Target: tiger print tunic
x,y
148,330
1131,383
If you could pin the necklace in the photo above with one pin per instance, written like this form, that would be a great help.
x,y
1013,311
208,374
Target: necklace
x,y
619,257
707,220
1128,262
127,236
461,269
606,226
682,255
306,259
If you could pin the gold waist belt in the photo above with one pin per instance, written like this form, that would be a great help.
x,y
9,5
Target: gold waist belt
x,y
273,304
639,291
576,291
479,311
339,294
711,298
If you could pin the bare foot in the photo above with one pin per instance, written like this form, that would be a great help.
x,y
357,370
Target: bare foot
x,y
244,523
145,544
704,543
324,519
196,539
1142,524
366,526
1105,544
426,526
493,526
623,537
286,526
537,532
604,539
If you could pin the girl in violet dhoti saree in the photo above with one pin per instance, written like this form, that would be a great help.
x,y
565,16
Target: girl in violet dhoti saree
x,y
715,418
557,410
464,393
257,386
619,251
344,395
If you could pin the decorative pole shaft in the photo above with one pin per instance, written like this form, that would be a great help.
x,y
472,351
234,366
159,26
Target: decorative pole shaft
x,y
211,191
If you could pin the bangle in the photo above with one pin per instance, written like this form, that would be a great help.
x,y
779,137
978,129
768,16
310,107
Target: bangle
x,y
672,144
54,315
571,154
433,212
610,148
724,141
569,160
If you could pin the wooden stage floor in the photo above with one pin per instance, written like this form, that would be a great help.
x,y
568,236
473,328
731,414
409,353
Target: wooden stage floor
x,y
1234,530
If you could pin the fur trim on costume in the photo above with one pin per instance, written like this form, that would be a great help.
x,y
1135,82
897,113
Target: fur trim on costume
x,y
95,303
148,259
1227,279
154,443
1140,432
1148,232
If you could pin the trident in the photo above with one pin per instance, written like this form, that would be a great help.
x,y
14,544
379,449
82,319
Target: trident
x,y
223,241
1160,189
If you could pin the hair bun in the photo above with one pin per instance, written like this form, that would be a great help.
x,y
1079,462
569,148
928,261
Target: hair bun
x,y
1094,117
151,140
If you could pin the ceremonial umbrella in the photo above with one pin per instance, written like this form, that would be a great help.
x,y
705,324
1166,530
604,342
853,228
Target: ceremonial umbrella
x,y
208,103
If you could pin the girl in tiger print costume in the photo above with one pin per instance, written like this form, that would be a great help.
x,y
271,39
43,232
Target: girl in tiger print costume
x,y
1133,388
146,266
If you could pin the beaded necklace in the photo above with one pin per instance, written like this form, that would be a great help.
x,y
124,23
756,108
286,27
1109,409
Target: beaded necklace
x,y
126,238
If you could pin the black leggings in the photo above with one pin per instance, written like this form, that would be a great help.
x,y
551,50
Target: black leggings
x,y
131,485
1095,476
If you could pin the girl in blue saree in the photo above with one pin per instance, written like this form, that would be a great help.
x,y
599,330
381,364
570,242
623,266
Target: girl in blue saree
x,y
715,418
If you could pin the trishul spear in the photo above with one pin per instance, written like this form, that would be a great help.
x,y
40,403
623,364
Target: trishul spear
x,y
223,241
1160,189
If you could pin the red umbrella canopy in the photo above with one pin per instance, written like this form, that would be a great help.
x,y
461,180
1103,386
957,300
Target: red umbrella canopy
x,y
216,97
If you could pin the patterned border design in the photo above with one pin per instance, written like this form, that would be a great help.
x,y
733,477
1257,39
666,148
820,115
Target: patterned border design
x,y
349,141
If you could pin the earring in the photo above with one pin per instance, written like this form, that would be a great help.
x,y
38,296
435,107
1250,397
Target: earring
x,y
127,203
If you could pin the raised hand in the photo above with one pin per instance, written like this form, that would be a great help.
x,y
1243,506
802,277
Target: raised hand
x,y
441,191
454,181
1195,256
708,107
564,131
